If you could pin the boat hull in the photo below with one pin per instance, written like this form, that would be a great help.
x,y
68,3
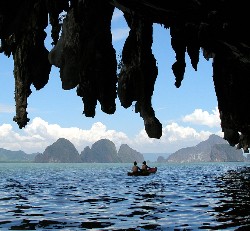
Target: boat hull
x,y
143,173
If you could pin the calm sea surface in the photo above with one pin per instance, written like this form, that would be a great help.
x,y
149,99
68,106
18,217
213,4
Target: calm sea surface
x,y
204,196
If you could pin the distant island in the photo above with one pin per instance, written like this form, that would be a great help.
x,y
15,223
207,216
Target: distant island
x,y
214,149
16,156
102,151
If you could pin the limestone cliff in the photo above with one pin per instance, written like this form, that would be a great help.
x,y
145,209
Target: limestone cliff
x,y
129,155
62,151
214,149
102,151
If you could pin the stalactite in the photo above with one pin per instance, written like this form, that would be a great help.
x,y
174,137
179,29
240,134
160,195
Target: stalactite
x,y
67,52
193,48
55,8
138,73
179,45
30,56
87,59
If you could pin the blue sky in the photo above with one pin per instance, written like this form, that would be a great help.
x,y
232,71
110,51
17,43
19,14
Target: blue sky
x,y
188,114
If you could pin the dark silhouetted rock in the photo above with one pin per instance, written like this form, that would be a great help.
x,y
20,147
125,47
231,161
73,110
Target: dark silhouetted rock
x,y
84,53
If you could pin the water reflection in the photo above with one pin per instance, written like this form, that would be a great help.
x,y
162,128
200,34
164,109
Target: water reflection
x,y
84,197
233,207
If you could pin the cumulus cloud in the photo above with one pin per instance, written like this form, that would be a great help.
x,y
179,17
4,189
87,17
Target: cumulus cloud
x,y
39,134
173,138
204,118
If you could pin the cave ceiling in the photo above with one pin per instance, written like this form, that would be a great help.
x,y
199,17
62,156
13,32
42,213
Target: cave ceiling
x,y
83,51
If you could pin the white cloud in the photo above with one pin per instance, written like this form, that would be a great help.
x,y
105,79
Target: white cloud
x,y
37,135
119,34
173,138
204,118
9,138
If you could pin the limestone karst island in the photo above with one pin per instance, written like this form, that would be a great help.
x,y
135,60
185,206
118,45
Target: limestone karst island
x,y
214,149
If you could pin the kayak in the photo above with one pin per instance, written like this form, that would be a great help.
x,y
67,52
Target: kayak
x,y
143,173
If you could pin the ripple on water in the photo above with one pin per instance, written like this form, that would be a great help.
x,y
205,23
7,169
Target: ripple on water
x,y
103,197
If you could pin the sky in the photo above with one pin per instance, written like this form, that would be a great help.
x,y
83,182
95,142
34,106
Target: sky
x,y
188,114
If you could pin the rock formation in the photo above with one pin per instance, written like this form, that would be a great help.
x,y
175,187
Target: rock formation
x,y
160,159
86,57
214,149
62,151
102,151
86,156
129,155
16,156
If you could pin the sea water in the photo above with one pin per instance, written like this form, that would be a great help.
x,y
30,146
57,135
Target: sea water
x,y
201,196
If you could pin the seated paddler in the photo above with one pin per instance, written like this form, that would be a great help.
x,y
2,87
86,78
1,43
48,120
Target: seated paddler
x,y
135,168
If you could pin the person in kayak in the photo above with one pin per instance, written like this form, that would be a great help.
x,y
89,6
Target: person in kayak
x,y
144,166
135,168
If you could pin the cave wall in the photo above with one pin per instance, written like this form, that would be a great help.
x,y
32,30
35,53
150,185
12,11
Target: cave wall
x,y
84,53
